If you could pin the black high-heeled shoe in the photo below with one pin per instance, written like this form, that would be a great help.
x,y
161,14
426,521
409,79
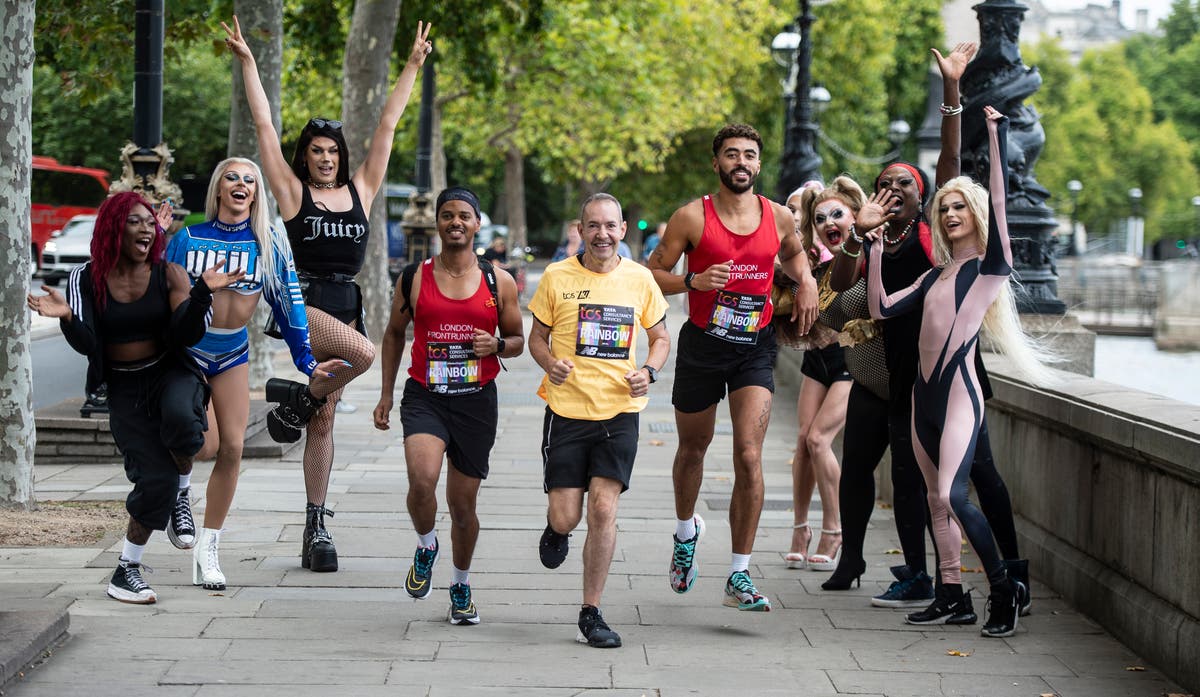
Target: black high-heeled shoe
x,y
848,572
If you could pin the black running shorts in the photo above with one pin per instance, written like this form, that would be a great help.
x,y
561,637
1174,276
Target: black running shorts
x,y
466,423
706,366
574,450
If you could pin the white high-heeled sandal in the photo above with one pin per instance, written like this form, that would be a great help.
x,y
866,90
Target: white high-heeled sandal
x,y
206,567
797,560
823,562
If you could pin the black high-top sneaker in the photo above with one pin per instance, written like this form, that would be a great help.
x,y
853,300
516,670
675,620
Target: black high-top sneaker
x,y
1018,570
297,405
181,529
317,551
128,586
1003,609
950,606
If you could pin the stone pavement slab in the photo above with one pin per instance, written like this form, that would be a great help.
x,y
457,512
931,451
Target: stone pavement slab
x,y
281,630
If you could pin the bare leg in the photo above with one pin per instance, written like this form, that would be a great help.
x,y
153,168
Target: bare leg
x,y
827,423
565,509
687,473
603,495
804,480
462,492
228,413
750,409
423,454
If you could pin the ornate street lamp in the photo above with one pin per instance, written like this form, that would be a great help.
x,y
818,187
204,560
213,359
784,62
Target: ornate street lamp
x,y
1077,244
800,161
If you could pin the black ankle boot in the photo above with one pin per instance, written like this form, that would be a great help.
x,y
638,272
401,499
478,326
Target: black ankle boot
x,y
847,572
317,551
297,405
1002,609
1018,570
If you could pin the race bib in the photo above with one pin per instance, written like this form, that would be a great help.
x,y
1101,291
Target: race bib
x,y
604,331
735,317
453,368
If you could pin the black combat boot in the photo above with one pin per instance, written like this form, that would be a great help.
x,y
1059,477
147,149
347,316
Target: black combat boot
x,y
297,405
317,551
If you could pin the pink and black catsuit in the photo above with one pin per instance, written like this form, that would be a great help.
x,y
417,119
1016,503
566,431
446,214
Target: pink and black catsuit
x,y
947,398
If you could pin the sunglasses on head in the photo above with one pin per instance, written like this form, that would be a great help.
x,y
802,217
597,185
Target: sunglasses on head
x,y
234,177
325,123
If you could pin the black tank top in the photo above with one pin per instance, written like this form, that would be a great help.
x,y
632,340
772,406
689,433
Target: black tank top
x,y
142,319
327,242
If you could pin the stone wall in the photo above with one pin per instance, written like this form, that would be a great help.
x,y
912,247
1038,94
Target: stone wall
x,y
1105,482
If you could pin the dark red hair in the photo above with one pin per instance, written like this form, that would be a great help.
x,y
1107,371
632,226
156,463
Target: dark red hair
x,y
106,239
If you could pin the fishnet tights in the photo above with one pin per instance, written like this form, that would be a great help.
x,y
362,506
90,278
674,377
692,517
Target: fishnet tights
x,y
330,338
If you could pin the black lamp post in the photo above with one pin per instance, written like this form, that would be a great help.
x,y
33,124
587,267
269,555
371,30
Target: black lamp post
x,y
1196,207
800,161
1075,246
418,220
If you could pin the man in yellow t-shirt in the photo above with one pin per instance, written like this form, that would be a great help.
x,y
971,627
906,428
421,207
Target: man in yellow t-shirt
x,y
586,313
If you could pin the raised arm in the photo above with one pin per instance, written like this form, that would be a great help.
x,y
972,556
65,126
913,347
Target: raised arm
x,y
288,190
369,176
997,260
952,65
882,305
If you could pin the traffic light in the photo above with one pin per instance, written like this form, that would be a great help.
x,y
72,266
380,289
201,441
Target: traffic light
x,y
1180,244
642,224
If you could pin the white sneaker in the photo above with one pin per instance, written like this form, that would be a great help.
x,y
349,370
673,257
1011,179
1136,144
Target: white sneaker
x,y
344,407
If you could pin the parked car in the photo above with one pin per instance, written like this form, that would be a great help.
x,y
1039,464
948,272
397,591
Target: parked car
x,y
67,249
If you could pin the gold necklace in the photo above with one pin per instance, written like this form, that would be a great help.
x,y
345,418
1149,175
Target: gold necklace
x,y
450,273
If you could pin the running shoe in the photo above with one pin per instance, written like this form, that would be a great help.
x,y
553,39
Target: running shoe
x,y
462,610
553,547
684,567
420,575
741,593
594,631
946,608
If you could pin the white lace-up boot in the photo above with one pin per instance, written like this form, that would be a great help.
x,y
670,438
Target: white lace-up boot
x,y
206,567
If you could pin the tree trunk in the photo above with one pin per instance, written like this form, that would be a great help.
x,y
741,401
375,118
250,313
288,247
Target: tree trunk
x,y
262,25
17,434
365,89
514,201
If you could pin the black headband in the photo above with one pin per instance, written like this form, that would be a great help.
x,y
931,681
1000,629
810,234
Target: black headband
x,y
458,193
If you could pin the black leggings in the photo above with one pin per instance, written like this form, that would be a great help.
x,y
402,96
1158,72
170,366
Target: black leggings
x,y
863,444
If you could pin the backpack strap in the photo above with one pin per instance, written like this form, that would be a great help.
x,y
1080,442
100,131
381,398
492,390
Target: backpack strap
x,y
489,277
406,279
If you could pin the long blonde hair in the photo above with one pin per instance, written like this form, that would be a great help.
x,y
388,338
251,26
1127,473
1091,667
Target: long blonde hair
x,y
270,241
1001,324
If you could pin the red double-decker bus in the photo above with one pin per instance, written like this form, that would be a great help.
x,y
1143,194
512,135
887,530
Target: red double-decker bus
x,y
58,193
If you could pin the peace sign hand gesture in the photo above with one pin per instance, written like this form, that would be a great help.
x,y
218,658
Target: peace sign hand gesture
x,y
236,42
421,46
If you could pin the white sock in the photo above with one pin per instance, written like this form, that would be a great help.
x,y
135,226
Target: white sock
x,y
131,552
685,529
185,480
739,562
460,576
428,539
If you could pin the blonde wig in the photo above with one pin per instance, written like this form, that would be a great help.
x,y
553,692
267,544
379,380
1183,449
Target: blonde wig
x,y
842,188
270,241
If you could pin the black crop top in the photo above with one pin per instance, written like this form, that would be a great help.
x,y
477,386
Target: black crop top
x,y
328,242
142,319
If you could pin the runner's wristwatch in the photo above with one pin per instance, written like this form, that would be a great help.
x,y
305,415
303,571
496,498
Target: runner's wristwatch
x,y
653,373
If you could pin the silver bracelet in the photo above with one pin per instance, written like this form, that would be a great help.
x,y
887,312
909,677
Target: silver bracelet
x,y
951,110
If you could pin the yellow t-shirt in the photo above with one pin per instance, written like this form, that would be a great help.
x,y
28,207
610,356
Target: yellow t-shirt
x,y
594,320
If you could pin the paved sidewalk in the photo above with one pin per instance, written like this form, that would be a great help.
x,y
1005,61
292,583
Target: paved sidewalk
x,y
281,630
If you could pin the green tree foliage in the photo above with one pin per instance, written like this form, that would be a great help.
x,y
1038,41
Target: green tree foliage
x,y
88,44
79,127
1101,129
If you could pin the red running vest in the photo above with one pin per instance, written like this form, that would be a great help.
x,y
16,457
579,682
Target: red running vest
x,y
443,357
737,312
